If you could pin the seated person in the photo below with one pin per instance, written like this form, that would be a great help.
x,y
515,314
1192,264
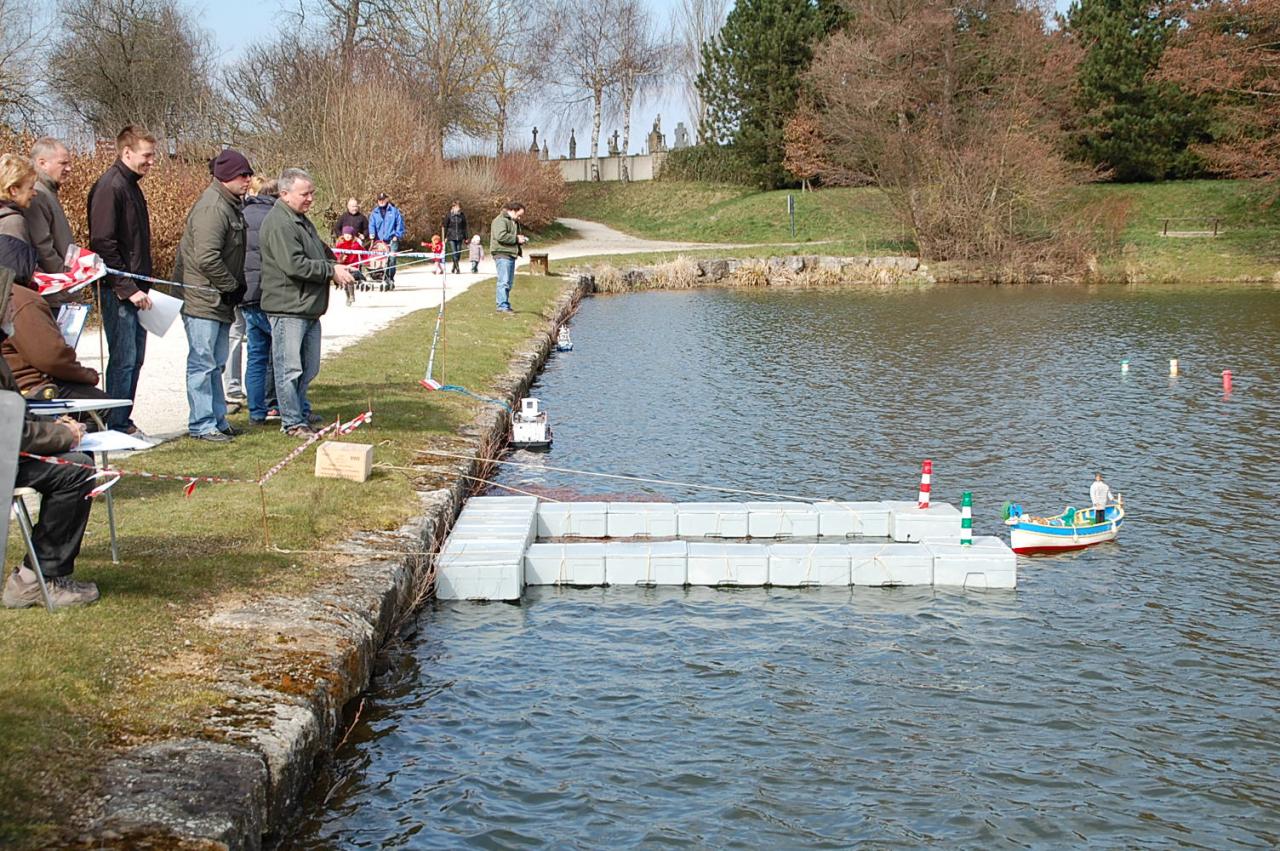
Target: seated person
x,y
40,358
64,511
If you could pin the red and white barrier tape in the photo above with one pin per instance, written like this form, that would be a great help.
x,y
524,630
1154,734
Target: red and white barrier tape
x,y
111,475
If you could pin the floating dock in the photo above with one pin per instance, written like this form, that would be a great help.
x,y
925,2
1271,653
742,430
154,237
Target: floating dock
x,y
501,544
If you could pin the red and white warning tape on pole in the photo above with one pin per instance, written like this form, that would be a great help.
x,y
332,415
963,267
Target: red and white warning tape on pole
x,y
926,483
111,475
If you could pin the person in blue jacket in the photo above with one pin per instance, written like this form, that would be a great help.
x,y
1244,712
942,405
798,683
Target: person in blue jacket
x,y
387,225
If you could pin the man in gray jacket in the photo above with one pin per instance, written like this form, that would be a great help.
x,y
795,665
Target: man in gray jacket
x,y
297,267
211,265
46,222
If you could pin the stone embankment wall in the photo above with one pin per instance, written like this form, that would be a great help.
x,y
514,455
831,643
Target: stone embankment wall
x,y
793,271
240,783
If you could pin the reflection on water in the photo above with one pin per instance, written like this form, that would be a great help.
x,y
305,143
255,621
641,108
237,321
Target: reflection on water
x,y
1122,696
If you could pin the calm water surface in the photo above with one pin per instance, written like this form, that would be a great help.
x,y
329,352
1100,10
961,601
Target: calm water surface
x,y
1125,696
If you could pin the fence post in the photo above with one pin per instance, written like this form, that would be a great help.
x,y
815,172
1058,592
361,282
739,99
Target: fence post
x,y
1165,232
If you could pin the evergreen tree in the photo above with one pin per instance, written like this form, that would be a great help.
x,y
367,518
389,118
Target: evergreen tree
x,y
1138,127
750,78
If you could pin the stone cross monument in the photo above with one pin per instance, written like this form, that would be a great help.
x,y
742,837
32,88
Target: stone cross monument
x,y
573,146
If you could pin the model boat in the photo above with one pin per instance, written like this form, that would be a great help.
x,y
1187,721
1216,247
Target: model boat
x,y
529,426
1073,529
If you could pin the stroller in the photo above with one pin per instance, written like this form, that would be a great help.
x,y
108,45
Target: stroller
x,y
378,268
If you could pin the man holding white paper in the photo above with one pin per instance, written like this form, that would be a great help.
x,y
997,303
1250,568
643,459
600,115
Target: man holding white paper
x,y
120,233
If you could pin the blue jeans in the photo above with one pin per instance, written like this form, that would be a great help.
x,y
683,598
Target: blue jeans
x,y
126,348
506,266
259,375
295,354
389,274
206,357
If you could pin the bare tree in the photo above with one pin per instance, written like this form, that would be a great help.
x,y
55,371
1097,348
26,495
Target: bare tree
x,y
640,60
21,44
697,23
587,43
512,65
433,47
117,62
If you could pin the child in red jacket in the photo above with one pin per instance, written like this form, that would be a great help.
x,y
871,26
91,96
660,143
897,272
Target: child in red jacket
x,y
347,252
437,247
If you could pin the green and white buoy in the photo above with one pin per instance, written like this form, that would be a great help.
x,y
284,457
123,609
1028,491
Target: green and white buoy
x,y
966,519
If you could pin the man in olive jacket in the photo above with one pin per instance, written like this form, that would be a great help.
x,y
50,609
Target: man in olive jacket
x,y
211,266
64,509
46,221
505,241
297,267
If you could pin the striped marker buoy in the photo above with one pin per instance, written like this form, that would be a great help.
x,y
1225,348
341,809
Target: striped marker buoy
x,y
926,483
966,519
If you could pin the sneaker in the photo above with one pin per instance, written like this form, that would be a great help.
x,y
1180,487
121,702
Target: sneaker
x,y
505,310
64,591
273,414
135,431
232,431
302,431
213,437
315,419
237,396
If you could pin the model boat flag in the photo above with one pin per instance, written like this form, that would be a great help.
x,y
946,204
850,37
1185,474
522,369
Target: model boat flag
x,y
83,268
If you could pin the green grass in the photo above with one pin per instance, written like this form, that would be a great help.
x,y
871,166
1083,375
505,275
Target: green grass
x,y
78,683
859,221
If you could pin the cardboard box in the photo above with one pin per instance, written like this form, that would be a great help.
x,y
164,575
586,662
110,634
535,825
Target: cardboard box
x,y
352,461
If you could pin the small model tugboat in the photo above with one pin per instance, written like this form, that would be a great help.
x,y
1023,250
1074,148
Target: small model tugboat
x,y
564,343
529,426
1073,529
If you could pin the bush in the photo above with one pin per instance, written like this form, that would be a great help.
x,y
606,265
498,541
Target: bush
x,y
482,186
706,163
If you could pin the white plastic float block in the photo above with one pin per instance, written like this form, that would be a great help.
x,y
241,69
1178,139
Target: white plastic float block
x,y
712,519
480,571
644,564
564,564
890,564
907,522
781,520
987,563
801,565
480,504
642,519
728,564
850,519
573,520
493,528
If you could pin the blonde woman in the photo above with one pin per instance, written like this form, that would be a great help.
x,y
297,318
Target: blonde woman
x,y
17,188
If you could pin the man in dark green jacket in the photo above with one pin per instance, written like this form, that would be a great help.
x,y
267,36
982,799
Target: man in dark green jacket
x,y
297,267
505,241
211,266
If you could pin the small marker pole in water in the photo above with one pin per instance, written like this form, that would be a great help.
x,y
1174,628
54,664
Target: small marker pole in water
x,y
966,519
926,483
1124,365
1226,381
1173,366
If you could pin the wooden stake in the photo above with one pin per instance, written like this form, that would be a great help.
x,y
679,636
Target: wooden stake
x,y
262,492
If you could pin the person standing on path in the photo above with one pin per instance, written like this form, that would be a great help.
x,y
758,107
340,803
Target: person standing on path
x,y
259,376
352,218
455,232
211,265
120,233
505,241
296,269
1099,494
387,225
46,221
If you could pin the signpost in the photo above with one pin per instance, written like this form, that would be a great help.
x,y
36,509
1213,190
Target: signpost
x,y
791,211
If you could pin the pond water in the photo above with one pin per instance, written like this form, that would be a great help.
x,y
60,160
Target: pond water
x,y
1126,695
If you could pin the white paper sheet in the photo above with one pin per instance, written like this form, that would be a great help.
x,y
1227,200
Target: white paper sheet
x,y
110,441
53,407
164,309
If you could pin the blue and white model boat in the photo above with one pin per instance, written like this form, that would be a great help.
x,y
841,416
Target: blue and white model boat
x,y
1073,529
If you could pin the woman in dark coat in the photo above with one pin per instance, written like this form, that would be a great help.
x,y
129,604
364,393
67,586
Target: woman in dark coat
x,y
455,234
17,188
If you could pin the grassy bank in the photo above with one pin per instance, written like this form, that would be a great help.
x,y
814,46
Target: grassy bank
x,y
859,221
139,665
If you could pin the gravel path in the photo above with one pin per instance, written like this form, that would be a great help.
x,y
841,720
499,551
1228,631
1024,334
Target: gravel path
x,y
161,406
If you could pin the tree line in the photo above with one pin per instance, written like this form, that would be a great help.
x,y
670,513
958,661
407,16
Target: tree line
x,y
975,116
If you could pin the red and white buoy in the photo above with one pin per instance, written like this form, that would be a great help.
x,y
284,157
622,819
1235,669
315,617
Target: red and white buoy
x,y
926,483
1226,381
